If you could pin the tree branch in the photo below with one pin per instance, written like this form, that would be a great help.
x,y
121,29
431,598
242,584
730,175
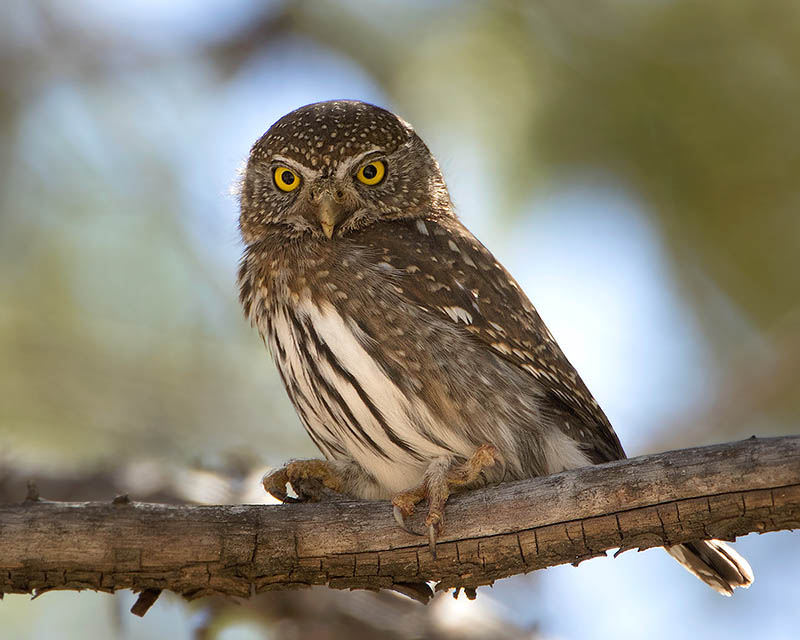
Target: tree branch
x,y
721,491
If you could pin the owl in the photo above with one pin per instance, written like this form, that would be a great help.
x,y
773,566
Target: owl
x,y
416,363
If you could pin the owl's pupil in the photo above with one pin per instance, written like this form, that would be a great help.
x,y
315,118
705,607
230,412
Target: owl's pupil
x,y
370,171
287,177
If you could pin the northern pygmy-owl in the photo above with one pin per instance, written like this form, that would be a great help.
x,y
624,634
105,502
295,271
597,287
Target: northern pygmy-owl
x,y
415,361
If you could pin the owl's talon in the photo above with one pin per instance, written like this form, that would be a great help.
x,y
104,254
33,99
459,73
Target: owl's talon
x,y
404,504
432,539
401,521
398,517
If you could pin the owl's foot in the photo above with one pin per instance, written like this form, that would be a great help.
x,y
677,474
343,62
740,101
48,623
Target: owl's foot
x,y
309,479
441,478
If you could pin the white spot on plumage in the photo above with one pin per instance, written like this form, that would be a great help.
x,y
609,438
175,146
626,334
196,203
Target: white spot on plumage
x,y
497,327
458,314
502,347
422,228
534,370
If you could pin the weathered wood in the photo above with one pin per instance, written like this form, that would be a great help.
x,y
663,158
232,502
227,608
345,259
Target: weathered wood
x,y
720,491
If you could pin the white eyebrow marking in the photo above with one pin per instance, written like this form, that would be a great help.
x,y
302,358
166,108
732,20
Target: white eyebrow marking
x,y
306,172
345,168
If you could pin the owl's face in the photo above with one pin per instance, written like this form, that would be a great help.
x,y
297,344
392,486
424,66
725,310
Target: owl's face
x,y
329,168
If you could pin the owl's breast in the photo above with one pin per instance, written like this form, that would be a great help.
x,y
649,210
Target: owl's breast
x,y
335,325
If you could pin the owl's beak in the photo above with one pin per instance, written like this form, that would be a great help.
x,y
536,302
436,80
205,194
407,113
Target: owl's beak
x,y
330,214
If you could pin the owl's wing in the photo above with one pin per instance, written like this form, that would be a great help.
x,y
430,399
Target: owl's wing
x,y
463,282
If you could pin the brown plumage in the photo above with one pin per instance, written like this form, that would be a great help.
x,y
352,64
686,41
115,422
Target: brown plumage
x,y
414,360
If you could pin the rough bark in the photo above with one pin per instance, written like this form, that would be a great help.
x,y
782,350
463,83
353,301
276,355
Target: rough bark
x,y
721,491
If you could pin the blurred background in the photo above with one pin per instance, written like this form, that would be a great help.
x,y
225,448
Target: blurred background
x,y
636,166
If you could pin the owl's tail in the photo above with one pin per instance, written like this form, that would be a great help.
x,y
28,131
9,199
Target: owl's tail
x,y
715,563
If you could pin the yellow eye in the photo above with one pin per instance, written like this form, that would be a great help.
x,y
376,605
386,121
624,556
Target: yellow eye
x,y
372,173
286,179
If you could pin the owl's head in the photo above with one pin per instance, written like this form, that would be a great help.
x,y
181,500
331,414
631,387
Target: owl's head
x,y
333,167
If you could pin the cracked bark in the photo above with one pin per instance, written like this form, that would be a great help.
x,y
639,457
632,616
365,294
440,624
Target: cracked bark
x,y
722,491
